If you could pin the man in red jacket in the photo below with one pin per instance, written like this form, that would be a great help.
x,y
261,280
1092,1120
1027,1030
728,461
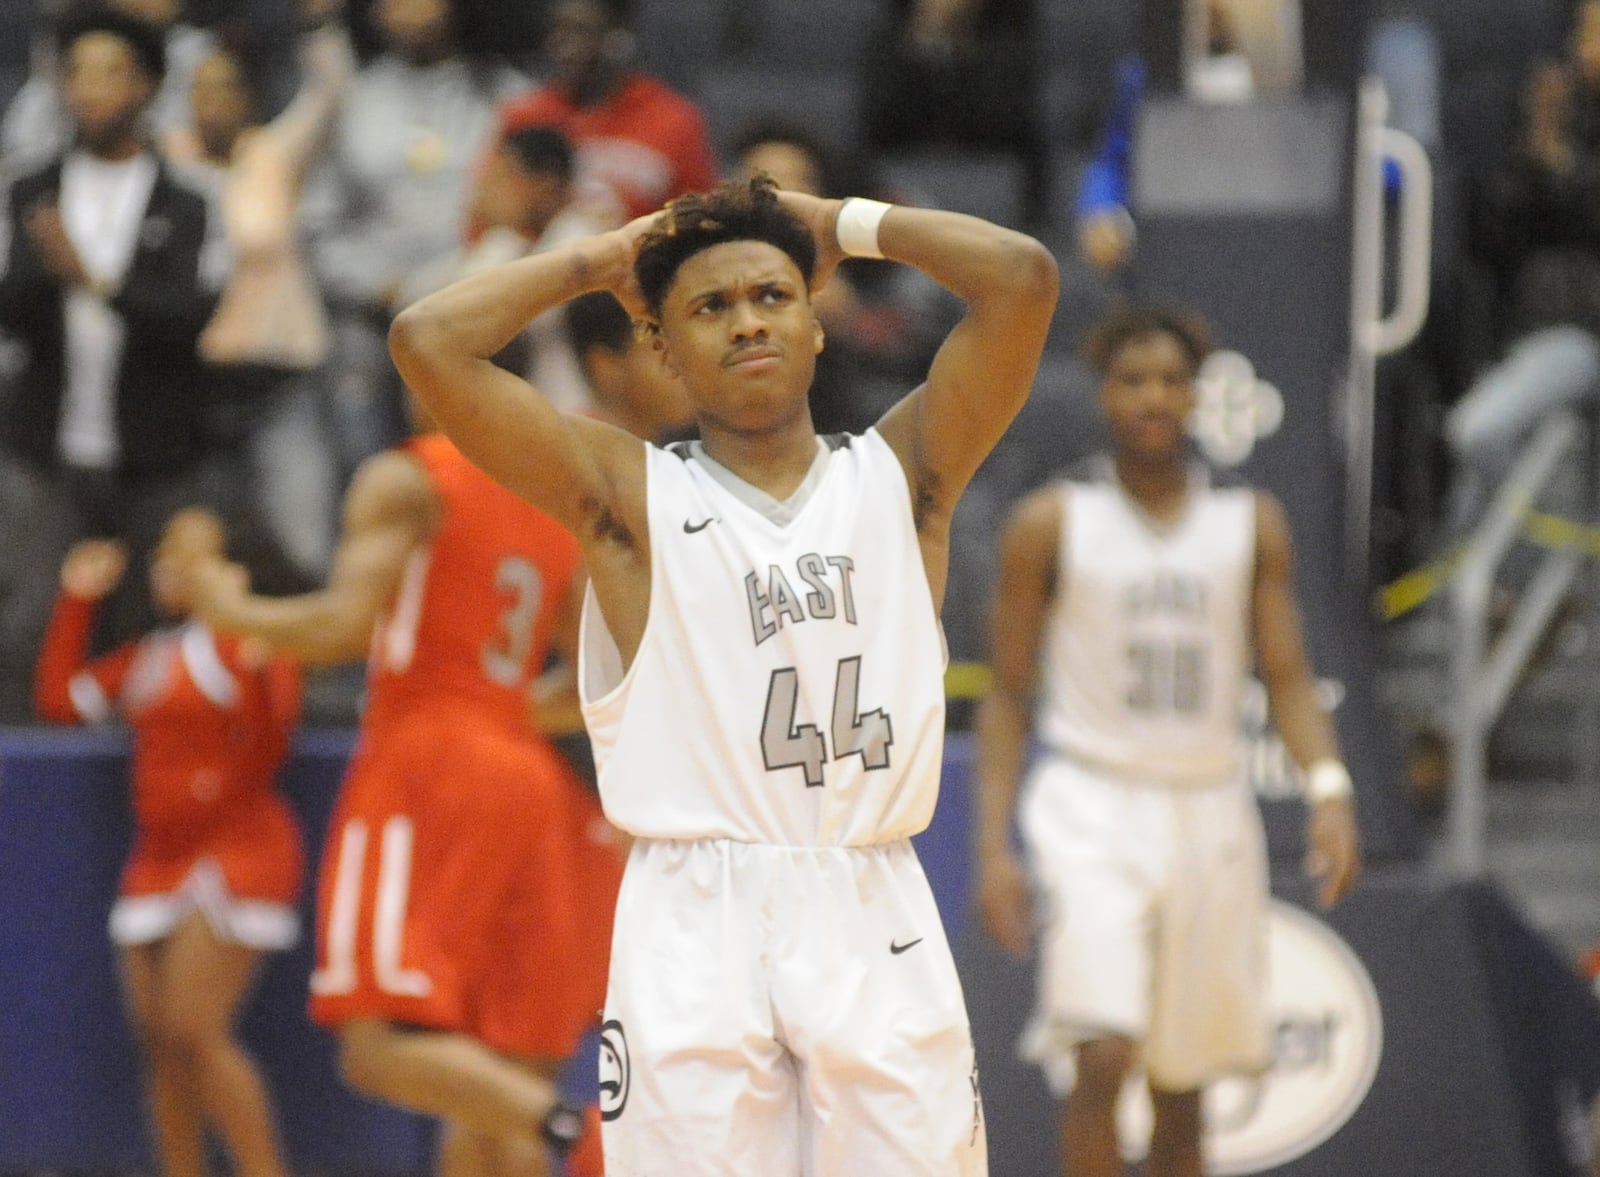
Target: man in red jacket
x,y
640,143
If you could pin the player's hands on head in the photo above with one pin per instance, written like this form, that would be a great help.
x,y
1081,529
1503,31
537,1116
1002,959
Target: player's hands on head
x,y
93,568
1006,901
821,216
1333,849
626,290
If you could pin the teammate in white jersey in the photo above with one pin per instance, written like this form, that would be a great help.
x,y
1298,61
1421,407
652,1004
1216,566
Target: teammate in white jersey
x,y
761,670
1131,611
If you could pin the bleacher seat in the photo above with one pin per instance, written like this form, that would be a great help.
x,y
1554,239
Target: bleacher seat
x,y
1476,34
818,36
985,185
1479,114
733,97
680,39
1066,173
1086,38
1073,107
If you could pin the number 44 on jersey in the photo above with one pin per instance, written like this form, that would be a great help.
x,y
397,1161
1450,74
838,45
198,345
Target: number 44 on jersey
x,y
788,744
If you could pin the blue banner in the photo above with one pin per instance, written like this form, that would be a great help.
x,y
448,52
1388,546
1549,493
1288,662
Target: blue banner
x,y
1426,1029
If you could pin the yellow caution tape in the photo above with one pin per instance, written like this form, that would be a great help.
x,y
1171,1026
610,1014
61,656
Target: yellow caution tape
x,y
1417,587
967,680
1552,531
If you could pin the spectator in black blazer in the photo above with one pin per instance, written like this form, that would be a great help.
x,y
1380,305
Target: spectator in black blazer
x,y
105,288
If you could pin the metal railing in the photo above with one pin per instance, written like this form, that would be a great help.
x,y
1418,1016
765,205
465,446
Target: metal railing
x,y
1374,334
1482,676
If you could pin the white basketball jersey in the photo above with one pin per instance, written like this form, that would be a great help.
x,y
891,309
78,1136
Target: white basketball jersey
x,y
789,687
1148,644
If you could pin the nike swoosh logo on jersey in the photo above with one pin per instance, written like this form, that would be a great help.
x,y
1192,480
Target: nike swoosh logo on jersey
x,y
691,528
897,949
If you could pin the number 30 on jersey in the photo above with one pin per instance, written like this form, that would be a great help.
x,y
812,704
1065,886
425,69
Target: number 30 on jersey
x,y
788,744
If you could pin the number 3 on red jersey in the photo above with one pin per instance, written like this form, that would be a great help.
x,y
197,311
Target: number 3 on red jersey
x,y
338,975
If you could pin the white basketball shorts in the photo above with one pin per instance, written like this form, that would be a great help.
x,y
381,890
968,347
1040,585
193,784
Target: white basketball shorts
x,y
784,1011
1154,902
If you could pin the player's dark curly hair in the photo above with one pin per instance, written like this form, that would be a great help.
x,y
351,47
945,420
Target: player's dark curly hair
x,y
738,210
1135,321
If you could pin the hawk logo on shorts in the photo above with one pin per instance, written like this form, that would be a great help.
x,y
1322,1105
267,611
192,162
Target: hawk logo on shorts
x,y
615,1072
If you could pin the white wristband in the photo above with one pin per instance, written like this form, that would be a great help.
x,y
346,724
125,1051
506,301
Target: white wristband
x,y
856,226
1327,780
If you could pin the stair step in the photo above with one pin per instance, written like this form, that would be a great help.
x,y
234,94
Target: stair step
x,y
1543,824
1544,848
1556,865
1563,805
1571,920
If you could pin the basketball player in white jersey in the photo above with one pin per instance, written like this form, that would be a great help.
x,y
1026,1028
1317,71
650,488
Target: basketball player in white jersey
x,y
1131,611
761,670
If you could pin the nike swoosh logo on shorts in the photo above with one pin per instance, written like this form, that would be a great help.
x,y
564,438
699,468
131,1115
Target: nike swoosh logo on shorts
x,y
691,528
897,949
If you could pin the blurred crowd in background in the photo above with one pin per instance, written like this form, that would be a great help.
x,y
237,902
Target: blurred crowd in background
x,y
208,230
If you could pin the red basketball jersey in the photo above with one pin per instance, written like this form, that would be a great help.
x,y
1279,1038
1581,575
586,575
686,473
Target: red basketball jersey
x,y
470,625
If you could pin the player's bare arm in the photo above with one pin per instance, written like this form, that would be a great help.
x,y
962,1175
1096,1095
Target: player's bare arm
x,y
1024,589
586,474
980,378
553,701
1334,853
444,347
389,512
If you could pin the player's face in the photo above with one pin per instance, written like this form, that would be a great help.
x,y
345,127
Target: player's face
x,y
104,88
190,537
1148,394
741,334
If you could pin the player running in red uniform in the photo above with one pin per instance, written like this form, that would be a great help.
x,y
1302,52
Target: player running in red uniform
x,y
464,904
